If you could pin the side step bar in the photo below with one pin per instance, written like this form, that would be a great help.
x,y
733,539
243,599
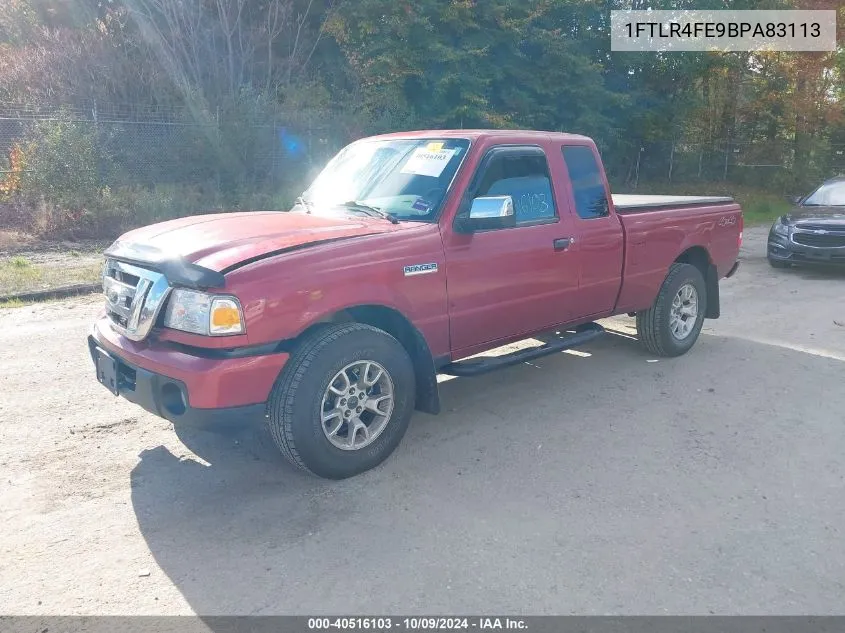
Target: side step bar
x,y
477,366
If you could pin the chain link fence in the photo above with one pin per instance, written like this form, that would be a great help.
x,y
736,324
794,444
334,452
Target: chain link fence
x,y
147,146
98,169
228,154
770,165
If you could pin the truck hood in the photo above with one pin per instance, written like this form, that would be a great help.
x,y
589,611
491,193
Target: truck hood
x,y
219,241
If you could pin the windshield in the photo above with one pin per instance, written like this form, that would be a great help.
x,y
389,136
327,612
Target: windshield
x,y
406,178
830,194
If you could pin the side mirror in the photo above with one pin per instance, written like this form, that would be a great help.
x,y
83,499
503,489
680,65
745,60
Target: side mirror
x,y
489,212
796,199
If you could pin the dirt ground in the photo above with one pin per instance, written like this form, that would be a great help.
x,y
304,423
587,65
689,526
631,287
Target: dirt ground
x,y
591,483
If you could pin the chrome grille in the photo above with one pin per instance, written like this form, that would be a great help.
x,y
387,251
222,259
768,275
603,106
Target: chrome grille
x,y
134,297
820,238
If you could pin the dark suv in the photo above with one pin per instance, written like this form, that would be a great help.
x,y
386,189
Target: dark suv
x,y
814,231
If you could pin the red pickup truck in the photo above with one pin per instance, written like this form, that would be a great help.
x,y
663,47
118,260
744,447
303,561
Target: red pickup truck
x,y
407,255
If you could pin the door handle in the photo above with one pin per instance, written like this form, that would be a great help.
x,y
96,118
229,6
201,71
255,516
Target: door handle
x,y
562,243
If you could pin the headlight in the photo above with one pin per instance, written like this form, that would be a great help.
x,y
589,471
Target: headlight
x,y
779,228
201,313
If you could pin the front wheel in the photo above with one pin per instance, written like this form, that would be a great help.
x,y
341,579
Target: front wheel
x,y
343,401
670,327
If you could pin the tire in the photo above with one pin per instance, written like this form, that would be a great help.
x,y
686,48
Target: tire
x,y
301,397
654,325
776,263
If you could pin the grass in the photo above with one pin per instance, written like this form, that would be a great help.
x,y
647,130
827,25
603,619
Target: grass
x,y
761,210
18,275
759,207
12,303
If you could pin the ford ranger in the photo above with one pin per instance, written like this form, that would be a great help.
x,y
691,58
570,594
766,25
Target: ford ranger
x,y
410,254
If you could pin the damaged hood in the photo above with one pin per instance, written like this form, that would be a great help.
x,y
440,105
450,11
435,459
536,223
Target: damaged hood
x,y
216,242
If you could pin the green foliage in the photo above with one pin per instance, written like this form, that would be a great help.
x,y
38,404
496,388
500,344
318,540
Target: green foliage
x,y
136,206
63,161
17,21
340,70
475,64
245,131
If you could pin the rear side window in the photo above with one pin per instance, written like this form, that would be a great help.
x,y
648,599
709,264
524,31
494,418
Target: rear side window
x,y
587,186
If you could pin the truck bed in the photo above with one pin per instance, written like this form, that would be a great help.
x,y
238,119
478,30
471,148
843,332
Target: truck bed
x,y
658,228
635,203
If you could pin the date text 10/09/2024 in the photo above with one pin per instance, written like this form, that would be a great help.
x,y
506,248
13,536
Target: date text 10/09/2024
x,y
416,624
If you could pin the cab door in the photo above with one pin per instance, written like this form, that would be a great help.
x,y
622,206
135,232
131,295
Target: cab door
x,y
509,281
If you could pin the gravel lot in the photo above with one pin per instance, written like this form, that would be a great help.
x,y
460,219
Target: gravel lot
x,y
600,483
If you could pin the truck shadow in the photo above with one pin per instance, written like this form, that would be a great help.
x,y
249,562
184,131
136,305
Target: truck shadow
x,y
529,471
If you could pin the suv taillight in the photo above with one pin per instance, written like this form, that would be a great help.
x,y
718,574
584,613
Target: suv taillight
x,y
741,224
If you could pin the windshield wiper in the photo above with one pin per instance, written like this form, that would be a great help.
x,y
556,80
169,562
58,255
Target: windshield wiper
x,y
359,206
303,203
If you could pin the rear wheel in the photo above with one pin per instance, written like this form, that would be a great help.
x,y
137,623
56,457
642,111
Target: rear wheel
x,y
343,401
672,325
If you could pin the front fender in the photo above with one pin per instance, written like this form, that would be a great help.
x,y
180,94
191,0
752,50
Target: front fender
x,y
285,295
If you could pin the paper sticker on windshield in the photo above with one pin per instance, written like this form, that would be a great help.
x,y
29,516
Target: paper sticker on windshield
x,y
424,162
434,147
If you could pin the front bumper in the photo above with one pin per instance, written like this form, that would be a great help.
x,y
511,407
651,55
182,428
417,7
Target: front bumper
x,y
185,388
782,248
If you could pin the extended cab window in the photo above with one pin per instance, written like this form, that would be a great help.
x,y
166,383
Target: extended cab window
x,y
524,176
587,185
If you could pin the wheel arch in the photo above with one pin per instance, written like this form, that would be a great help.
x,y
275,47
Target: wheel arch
x,y
699,257
399,327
